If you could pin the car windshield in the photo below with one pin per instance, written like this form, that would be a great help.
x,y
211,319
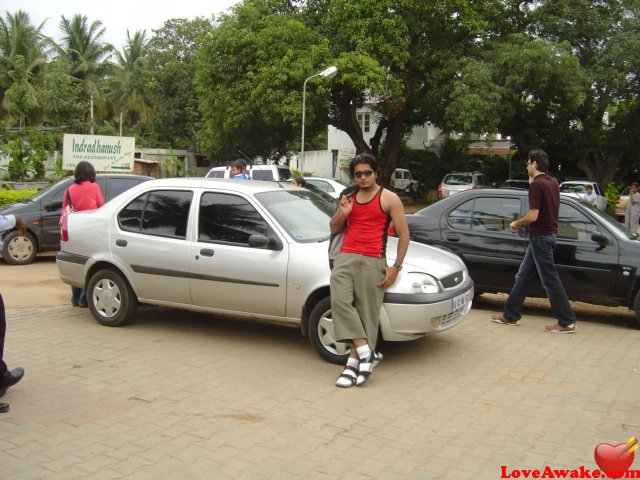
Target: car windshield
x,y
458,179
614,226
304,215
573,188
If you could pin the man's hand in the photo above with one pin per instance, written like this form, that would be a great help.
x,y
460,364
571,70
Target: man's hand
x,y
389,278
21,226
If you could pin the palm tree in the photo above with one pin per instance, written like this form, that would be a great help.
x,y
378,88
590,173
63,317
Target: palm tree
x,y
22,61
127,92
87,56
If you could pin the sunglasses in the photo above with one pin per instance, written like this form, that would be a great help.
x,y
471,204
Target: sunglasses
x,y
363,173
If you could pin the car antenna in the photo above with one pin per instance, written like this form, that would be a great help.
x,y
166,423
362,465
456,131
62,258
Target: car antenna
x,y
242,153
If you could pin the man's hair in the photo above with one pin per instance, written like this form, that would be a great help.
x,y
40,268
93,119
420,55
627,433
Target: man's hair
x,y
240,164
540,157
634,184
83,172
364,158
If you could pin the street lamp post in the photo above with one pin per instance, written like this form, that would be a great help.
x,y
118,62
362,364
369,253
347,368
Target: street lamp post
x,y
326,73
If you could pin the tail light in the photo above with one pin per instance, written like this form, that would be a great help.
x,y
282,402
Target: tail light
x,y
475,187
439,190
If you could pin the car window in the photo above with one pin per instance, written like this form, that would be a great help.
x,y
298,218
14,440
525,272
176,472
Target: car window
x,y
117,185
262,175
573,224
304,215
492,214
495,214
458,179
284,174
324,186
573,187
162,212
227,218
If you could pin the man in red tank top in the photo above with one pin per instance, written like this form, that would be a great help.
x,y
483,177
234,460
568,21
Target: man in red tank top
x,y
360,272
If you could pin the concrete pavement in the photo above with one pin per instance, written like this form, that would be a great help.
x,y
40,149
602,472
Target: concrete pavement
x,y
177,395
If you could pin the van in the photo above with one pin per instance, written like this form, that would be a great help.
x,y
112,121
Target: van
x,y
279,173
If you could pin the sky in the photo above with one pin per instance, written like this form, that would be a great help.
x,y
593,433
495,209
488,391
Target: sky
x,y
116,15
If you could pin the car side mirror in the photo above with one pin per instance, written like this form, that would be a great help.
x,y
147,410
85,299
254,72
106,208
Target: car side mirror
x,y
599,238
262,241
53,206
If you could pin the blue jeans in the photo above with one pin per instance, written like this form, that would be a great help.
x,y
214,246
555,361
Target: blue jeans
x,y
78,296
539,261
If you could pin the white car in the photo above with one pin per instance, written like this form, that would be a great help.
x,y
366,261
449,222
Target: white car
x,y
241,248
579,189
329,185
260,171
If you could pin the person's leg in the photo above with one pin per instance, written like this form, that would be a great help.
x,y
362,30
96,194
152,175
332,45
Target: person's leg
x,y
526,273
346,323
368,302
3,331
76,293
543,248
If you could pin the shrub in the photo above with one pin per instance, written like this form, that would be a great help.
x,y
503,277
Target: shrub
x,y
10,196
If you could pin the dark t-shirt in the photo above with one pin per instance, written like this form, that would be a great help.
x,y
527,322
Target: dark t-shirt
x,y
544,195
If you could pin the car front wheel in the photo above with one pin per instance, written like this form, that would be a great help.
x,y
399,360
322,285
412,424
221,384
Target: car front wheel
x,y
18,250
110,298
322,336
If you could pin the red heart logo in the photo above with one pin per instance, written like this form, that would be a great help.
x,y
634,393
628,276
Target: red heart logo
x,y
613,460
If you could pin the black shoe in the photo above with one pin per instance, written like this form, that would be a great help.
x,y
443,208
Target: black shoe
x,y
4,407
11,378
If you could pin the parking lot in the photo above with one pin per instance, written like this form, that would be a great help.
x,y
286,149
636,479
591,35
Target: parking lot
x,y
190,396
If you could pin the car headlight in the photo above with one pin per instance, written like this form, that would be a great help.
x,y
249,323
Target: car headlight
x,y
418,282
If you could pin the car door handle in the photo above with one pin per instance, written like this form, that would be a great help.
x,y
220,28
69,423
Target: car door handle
x,y
206,252
121,243
453,238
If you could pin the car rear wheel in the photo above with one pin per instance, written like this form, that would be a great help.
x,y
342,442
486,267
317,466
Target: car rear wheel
x,y
636,305
111,298
19,250
322,336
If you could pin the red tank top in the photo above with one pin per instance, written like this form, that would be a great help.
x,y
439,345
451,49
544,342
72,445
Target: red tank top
x,y
367,228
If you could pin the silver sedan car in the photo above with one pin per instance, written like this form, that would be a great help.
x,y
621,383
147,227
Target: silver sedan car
x,y
244,249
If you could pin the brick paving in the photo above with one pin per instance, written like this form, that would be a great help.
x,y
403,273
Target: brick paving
x,y
177,395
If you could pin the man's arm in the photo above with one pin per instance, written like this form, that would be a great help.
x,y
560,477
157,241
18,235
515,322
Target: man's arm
x,y
401,228
528,219
339,219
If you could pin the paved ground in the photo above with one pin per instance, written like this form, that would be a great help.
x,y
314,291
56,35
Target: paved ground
x,y
184,396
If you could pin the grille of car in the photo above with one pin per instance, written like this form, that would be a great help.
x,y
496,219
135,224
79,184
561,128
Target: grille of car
x,y
453,280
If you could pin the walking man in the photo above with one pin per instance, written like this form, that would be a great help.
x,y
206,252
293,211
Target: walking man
x,y
360,272
542,219
8,378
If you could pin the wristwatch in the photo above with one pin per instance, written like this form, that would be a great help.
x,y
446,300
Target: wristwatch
x,y
397,266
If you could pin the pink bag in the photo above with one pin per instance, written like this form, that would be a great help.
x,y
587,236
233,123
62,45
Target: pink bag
x,y
64,232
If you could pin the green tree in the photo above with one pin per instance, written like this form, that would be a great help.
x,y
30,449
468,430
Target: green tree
x,y
22,60
127,91
171,61
87,57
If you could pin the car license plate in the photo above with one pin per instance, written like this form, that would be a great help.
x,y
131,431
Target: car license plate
x,y
462,299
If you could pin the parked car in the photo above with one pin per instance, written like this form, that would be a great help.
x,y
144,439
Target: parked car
x,y
621,204
330,185
404,184
41,212
276,173
255,250
457,182
515,183
579,189
598,259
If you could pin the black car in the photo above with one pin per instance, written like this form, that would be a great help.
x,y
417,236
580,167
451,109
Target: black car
x,y
41,213
598,259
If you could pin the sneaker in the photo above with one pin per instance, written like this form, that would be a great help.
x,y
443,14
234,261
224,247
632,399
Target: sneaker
x,y
560,329
503,321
